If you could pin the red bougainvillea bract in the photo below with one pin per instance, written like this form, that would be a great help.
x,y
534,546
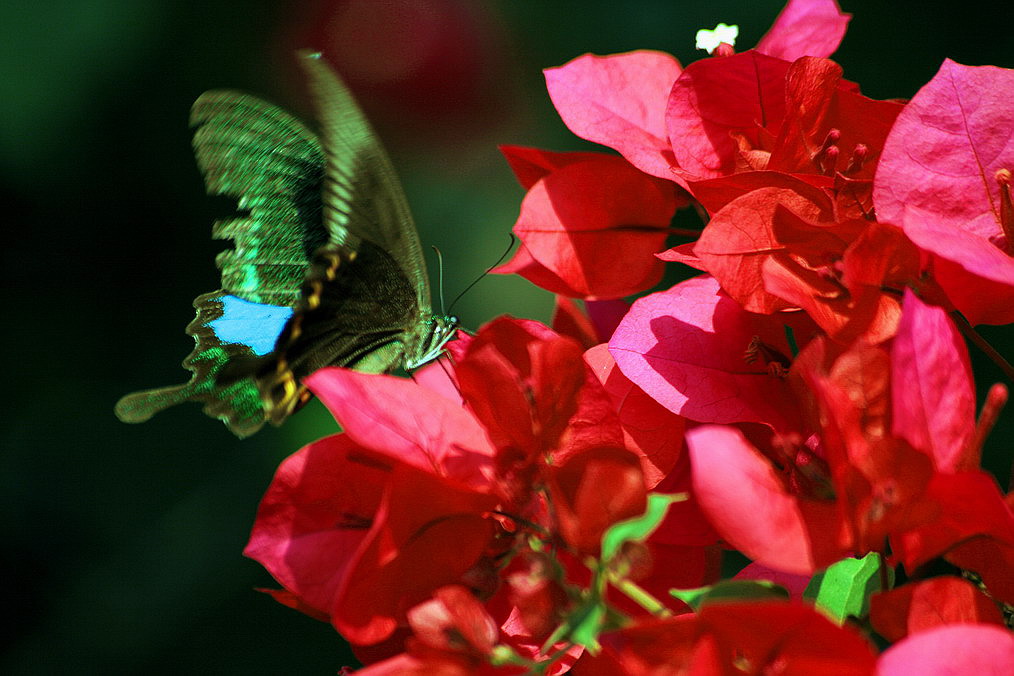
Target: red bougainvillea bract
x,y
800,410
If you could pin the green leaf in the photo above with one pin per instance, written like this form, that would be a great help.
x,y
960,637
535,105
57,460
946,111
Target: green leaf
x,y
639,527
844,589
731,590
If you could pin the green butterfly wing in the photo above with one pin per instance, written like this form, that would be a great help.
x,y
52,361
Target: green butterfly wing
x,y
273,166
362,197
325,231
237,403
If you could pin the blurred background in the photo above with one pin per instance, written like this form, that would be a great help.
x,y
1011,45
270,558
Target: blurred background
x,y
122,544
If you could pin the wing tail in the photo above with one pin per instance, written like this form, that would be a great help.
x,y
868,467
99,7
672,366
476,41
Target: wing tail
x,y
237,402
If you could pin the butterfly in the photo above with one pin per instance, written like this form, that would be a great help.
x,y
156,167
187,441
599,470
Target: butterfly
x,y
326,268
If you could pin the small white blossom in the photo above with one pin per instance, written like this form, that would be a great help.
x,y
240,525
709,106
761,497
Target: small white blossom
x,y
709,40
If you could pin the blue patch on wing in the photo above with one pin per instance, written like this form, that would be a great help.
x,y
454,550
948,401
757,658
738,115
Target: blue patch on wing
x,y
251,324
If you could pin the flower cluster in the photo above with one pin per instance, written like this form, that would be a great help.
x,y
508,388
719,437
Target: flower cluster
x,y
560,500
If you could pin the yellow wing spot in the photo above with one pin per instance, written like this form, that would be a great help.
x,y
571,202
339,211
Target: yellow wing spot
x,y
295,328
313,298
281,397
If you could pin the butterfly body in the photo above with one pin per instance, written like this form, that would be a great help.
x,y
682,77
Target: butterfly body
x,y
326,268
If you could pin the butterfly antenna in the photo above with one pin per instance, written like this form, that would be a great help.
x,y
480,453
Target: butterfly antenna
x,y
510,245
440,279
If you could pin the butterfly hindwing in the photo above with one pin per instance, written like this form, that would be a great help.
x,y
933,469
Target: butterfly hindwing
x,y
238,404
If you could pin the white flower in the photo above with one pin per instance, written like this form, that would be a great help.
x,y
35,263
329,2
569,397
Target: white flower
x,y
709,40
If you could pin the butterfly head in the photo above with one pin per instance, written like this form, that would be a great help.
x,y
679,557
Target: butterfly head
x,y
439,330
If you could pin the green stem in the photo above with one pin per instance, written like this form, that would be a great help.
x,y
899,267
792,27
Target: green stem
x,y
981,343
642,598
504,654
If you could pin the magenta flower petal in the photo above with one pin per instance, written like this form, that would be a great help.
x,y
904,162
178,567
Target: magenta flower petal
x,y
794,583
596,226
945,148
805,28
685,348
531,164
714,101
980,649
525,265
424,430
751,508
650,430
937,178
619,101
310,522
932,393
976,274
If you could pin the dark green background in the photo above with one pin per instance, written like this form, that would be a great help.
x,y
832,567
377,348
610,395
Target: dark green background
x,y
122,544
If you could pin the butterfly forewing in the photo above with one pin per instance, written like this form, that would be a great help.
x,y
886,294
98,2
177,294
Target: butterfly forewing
x,y
362,196
273,166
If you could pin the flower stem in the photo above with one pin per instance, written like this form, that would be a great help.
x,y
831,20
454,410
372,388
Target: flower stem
x,y
642,598
983,345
